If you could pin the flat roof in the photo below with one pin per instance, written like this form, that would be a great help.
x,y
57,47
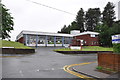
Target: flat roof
x,y
87,32
42,33
53,34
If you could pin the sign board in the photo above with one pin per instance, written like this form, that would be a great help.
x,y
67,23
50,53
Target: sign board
x,y
116,38
81,42
75,47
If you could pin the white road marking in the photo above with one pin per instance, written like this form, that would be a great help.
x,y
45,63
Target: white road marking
x,y
48,69
21,73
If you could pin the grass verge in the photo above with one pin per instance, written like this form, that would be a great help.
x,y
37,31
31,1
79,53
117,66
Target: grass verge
x,y
105,70
87,48
17,45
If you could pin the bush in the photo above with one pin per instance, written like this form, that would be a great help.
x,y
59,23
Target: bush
x,y
99,68
116,48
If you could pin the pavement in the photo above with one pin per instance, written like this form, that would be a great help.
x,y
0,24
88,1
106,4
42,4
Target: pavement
x,y
90,70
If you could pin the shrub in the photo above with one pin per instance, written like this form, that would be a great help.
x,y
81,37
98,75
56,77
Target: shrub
x,y
99,68
116,48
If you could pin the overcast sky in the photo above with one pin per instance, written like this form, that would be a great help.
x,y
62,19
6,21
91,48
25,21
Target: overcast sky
x,y
30,16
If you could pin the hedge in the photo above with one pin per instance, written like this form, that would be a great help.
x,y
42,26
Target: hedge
x,y
116,48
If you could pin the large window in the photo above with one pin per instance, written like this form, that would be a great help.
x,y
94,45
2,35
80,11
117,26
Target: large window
x,y
32,40
58,40
50,40
71,40
41,39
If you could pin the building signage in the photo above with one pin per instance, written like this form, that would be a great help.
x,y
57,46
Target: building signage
x,y
116,38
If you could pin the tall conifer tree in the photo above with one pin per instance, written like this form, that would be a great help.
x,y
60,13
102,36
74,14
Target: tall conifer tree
x,y
80,20
109,14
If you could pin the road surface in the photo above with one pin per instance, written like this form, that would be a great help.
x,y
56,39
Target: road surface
x,y
45,63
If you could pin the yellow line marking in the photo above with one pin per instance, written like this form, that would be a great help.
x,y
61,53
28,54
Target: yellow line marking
x,y
67,69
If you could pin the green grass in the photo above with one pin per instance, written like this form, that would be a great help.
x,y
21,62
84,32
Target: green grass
x,y
99,67
96,48
87,48
4,43
105,69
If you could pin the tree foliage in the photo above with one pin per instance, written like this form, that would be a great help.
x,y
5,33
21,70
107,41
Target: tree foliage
x,y
115,29
80,19
105,35
67,29
6,22
92,18
109,27
109,14
63,30
84,22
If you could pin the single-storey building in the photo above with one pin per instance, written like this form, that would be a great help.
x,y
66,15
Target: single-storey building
x,y
36,38
86,38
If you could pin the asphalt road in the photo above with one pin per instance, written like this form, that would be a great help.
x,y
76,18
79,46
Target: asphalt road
x,y
45,63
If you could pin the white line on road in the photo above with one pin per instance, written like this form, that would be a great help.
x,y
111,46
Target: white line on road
x,y
21,73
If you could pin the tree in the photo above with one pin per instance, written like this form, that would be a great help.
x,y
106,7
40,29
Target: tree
x,y
6,23
73,25
0,21
80,20
105,35
116,28
108,27
92,18
64,29
109,14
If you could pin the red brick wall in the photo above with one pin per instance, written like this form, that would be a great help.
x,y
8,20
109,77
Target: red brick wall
x,y
21,40
89,40
107,60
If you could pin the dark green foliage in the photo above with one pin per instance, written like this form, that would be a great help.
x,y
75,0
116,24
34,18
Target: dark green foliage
x,y
105,35
116,28
80,20
64,29
7,22
0,21
85,22
109,14
75,25
109,27
72,26
116,48
92,18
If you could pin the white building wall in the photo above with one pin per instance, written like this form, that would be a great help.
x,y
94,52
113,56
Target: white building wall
x,y
74,32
